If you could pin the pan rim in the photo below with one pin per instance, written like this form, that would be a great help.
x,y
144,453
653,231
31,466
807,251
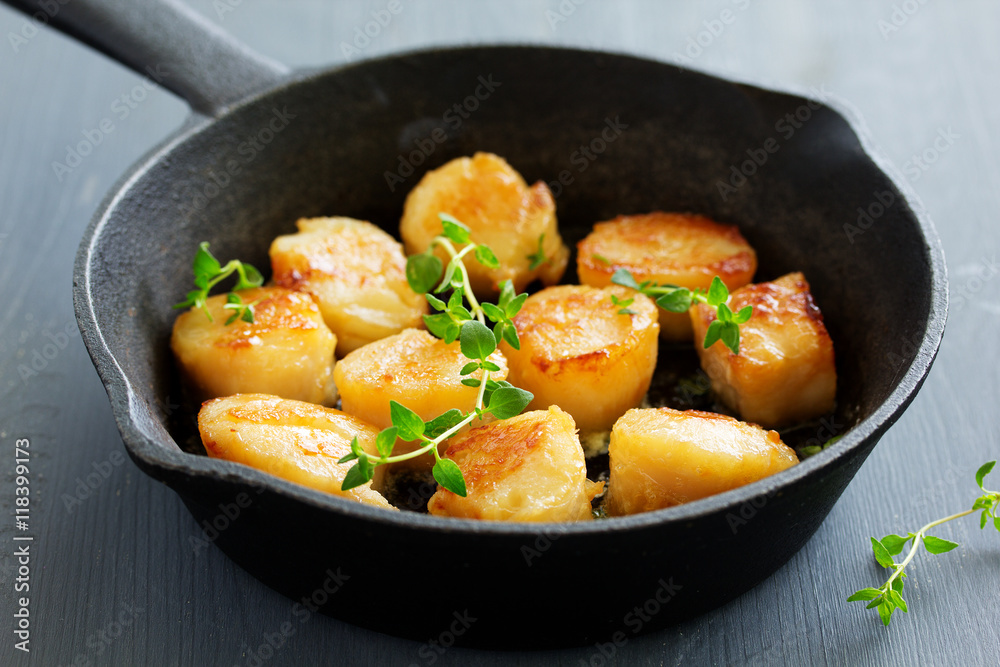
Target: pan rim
x,y
168,464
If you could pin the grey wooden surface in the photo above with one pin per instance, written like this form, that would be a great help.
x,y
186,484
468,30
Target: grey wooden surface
x,y
114,579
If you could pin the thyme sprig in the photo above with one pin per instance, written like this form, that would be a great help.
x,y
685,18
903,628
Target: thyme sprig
x,y
676,299
887,598
208,272
538,257
459,316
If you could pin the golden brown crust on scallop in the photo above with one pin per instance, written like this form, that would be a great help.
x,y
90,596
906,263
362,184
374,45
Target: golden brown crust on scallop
x,y
526,468
297,441
501,210
674,248
287,350
413,368
662,457
580,353
356,272
785,371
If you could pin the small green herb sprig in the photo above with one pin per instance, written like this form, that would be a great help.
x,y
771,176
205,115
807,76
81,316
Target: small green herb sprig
x,y
888,597
538,257
813,450
208,272
452,321
676,299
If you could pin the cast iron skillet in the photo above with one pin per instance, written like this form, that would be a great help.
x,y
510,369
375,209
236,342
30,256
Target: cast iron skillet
x,y
264,147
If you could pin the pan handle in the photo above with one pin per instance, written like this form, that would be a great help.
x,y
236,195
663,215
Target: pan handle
x,y
167,41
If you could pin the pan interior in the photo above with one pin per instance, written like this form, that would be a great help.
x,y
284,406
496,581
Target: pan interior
x,y
612,134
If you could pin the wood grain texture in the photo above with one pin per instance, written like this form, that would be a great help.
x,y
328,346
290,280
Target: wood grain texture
x,y
117,580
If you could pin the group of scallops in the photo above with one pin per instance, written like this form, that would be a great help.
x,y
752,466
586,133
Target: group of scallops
x,y
339,292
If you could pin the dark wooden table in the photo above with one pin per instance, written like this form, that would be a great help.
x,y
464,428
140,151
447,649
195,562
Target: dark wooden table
x,y
114,578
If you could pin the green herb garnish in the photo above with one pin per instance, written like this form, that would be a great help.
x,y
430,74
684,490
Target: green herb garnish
x,y
623,305
889,597
477,341
538,257
813,450
676,299
208,272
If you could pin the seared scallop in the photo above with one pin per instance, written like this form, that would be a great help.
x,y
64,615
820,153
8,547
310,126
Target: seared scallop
x,y
356,272
487,195
662,457
526,468
675,248
297,441
578,351
785,370
412,368
287,350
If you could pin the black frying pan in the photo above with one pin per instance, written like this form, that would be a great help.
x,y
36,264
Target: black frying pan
x,y
265,146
